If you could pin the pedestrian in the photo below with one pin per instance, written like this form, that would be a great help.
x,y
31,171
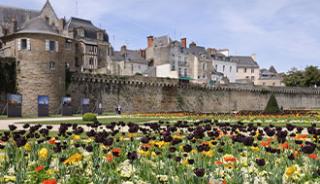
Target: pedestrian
x,y
100,108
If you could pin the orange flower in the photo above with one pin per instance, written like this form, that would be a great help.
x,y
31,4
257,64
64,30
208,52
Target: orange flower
x,y
109,157
285,145
49,181
301,136
313,156
39,168
218,162
52,141
265,143
116,152
229,158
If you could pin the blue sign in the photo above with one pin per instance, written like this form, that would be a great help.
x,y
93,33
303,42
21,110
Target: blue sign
x,y
43,100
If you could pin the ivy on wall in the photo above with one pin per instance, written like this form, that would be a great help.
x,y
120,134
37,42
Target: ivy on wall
x,y
8,75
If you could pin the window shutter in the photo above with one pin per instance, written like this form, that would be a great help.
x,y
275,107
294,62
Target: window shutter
x,y
28,44
57,46
47,45
19,44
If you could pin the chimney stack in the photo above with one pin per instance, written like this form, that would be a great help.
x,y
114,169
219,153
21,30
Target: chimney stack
x,y
192,45
14,25
184,42
254,57
150,41
143,53
123,50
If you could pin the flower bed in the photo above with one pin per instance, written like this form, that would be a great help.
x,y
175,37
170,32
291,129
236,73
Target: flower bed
x,y
184,152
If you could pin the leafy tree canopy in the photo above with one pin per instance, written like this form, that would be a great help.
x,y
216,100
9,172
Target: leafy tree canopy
x,y
308,77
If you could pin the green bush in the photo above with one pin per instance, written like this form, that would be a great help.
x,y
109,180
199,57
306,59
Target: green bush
x,y
272,106
89,117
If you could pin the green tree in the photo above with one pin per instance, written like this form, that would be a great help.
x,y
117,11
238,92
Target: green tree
x,y
272,105
308,77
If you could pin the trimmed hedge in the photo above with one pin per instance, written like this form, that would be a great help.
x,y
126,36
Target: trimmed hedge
x,y
89,117
272,106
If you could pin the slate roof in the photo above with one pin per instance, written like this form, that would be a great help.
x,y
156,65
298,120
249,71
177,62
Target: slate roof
x,y
132,56
244,61
87,25
38,25
21,15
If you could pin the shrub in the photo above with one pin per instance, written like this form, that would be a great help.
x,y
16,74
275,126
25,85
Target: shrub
x,y
272,106
89,117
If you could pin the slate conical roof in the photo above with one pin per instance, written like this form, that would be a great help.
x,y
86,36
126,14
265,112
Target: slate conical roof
x,y
38,25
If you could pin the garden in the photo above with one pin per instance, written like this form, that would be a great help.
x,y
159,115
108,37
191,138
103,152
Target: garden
x,y
214,149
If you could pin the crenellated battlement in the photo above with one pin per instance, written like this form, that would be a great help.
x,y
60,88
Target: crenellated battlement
x,y
175,83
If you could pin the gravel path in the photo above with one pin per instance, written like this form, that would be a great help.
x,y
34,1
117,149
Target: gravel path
x,y
5,122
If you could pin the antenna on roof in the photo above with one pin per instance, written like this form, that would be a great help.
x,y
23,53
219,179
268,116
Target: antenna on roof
x,y
77,8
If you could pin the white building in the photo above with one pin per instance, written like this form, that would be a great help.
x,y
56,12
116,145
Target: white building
x,y
247,69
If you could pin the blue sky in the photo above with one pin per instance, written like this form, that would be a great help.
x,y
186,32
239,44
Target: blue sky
x,y
283,33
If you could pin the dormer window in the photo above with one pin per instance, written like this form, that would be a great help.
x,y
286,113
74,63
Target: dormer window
x,y
80,32
100,35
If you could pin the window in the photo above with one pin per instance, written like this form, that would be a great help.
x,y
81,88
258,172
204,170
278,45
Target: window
x,y
273,84
230,68
223,68
180,71
173,66
245,70
68,44
247,77
24,44
185,72
52,65
252,70
216,67
52,45
252,78
263,83
91,61
77,64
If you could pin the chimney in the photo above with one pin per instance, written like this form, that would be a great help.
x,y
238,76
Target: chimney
x,y
14,25
150,41
254,57
143,53
184,42
192,45
124,50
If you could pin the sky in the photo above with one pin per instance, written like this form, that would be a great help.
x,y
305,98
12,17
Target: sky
x,y
283,33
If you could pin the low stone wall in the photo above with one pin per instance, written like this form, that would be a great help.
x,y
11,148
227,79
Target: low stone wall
x,y
141,94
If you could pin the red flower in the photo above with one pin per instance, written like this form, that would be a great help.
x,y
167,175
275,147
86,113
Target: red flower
x,y
49,181
39,168
313,156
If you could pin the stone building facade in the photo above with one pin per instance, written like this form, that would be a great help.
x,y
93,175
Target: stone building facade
x,y
44,46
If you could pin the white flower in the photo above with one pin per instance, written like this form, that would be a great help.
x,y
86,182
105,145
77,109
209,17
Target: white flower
x,y
126,169
162,178
127,182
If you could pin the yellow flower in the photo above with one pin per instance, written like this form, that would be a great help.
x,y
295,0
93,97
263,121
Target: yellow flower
x,y
255,149
9,178
185,162
76,137
291,170
43,153
27,147
153,154
50,171
208,153
143,153
77,157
